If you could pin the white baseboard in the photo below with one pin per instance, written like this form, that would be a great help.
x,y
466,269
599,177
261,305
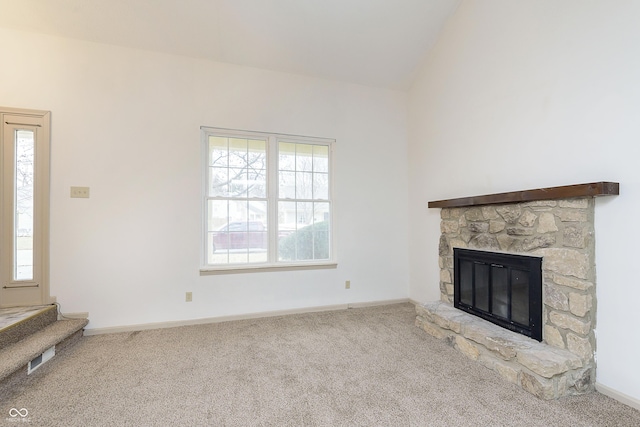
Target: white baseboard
x,y
377,303
620,397
177,323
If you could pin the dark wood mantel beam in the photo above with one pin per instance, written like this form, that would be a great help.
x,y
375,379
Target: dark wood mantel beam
x,y
593,189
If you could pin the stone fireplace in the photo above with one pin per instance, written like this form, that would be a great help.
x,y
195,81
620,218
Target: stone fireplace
x,y
556,224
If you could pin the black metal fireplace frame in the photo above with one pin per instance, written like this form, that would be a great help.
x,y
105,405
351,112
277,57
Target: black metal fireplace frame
x,y
523,263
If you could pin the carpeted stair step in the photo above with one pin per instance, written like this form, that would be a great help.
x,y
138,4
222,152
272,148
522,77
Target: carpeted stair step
x,y
19,323
18,355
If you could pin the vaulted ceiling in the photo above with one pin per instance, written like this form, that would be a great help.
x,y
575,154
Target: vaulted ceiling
x,y
372,42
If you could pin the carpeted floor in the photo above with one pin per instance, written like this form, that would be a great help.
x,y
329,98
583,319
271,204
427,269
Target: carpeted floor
x,y
358,367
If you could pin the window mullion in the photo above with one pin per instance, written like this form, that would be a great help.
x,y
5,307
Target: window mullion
x,y
272,197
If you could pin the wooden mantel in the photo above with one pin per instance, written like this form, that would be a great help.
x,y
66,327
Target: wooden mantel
x,y
564,192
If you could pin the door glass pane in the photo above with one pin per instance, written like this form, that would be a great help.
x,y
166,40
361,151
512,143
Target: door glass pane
x,y
24,180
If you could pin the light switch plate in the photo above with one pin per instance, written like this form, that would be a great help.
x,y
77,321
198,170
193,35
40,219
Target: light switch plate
x,y
80,192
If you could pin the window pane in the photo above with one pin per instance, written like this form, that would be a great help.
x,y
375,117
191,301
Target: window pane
x,y
321,186
321,231
257,239
292,220
304,185
257,168
257,183
218,151
253,238
231,238
304,157
24,162
237,152
286,215
257,216
321,212
240,168
304,214
238,232
320,158
217,242
218,182
310,240
237,182
286,156
257,156
287,185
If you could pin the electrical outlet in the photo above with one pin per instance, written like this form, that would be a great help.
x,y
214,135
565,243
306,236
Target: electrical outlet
x,y
79,192
189,297
347,284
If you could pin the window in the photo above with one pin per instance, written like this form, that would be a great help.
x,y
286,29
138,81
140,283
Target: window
x,y
24,207
267,200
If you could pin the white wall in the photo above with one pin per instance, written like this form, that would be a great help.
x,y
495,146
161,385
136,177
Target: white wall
x,y
126,123
533,94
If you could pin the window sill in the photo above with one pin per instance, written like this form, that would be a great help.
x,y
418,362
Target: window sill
x,y
206,271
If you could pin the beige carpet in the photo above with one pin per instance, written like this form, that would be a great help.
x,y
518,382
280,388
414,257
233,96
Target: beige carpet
x,y
358,367
11,316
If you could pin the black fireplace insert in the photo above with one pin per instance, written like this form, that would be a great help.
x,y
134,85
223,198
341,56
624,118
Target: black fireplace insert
x,y
505,289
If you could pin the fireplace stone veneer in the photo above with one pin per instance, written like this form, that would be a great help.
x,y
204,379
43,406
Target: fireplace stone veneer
x,y
562,233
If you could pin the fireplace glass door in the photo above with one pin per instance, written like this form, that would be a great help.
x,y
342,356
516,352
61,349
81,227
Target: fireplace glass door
x,y
505,289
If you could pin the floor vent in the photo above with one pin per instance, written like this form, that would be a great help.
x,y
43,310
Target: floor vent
x,y
39,360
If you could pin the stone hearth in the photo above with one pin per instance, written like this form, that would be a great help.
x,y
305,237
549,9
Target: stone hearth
x,y
561,231
543,370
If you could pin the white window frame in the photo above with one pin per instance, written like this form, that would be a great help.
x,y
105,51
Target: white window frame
x,y
272,263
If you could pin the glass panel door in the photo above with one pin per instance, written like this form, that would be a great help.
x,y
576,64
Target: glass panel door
x,y
24,180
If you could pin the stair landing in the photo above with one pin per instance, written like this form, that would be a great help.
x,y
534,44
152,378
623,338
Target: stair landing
x,y
19,322
13,315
